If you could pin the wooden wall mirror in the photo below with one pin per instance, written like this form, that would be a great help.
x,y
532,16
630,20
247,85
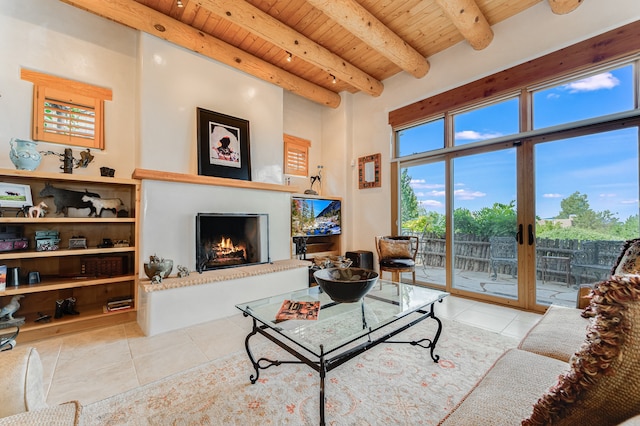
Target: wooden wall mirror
x,y
369,171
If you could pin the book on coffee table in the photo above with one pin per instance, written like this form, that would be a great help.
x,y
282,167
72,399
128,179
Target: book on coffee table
x,y
300,310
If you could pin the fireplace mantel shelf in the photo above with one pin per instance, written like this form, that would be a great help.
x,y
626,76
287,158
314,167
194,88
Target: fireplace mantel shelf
x,y
208,180
224,274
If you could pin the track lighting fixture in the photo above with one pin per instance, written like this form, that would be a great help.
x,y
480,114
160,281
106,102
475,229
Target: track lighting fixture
x,y
179,3
334,78
289,57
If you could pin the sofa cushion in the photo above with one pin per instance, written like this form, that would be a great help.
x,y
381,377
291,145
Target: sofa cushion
x,y
397,249
558,334
507,391
21,387
66,414
629,260
602,386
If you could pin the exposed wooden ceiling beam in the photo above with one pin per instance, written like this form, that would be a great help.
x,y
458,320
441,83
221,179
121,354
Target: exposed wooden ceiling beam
x,y
561,7
268,28
140,17
469,20
357,20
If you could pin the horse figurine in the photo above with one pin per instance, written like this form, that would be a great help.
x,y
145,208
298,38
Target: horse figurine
x,y
39,210
33,211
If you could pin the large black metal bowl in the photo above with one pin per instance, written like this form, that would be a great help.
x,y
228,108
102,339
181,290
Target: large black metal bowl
x,y
345,285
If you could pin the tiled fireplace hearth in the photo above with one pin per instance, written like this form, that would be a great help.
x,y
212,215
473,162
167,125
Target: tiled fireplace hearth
x,y
181,302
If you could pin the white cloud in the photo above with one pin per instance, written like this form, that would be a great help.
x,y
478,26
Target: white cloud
x,y
552,195
629,202
422,184
607,195
470,135
431,203
601,81
553,96
463,194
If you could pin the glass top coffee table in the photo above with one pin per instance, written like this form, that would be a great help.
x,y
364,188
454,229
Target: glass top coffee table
x,y
342,330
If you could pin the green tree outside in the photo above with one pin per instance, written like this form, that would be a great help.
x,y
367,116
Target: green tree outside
x,y
500,220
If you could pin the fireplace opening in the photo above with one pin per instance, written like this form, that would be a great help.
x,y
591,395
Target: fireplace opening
x,y
225,240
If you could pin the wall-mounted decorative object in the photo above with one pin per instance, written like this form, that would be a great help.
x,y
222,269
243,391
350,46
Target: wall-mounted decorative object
x,y
69,162
369,171
223,146
15,195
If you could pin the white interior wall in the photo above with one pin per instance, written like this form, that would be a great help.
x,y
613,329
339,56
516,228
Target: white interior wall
x,y
528,35
303,118
54,38
173,83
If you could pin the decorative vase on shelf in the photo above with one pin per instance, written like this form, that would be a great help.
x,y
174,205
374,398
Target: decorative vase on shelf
x,y
24,155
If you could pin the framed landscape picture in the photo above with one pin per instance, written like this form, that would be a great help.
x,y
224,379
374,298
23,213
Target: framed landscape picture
x,y
15,195
223,146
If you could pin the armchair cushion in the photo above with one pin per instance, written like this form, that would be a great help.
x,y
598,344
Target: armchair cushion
x,y
397,263
602,385
395,249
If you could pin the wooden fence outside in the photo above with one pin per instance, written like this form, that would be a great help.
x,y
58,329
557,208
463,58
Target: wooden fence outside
x,y
472,253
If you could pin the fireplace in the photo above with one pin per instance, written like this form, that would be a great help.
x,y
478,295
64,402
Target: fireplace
x,y
226,240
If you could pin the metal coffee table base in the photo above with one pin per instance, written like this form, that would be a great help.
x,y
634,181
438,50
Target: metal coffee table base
x,y
325,364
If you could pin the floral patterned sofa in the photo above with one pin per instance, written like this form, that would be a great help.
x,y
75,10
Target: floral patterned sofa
x,y
575,367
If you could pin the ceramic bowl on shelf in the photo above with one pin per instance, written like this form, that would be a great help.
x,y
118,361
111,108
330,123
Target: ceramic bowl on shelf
x,y
345,285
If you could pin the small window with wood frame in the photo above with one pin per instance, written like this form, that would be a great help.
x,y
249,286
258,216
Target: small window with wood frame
x,y
67,112
296,156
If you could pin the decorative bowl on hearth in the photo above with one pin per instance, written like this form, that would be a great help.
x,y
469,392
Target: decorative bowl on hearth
x,y
345,285
162,267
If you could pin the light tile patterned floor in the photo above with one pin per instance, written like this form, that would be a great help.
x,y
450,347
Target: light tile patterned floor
x,y
100,363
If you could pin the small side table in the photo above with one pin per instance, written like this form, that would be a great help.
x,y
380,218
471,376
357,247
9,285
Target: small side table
x,y
547,261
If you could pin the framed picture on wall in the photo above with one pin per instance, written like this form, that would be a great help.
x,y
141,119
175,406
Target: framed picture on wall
x,y
223,146
15,195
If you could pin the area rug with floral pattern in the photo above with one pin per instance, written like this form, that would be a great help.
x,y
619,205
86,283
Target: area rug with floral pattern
x,y
391,384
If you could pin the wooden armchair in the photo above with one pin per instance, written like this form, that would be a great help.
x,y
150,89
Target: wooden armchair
x,y
397,255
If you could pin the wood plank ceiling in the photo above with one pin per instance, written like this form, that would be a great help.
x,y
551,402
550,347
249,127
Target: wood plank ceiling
x,y
319,48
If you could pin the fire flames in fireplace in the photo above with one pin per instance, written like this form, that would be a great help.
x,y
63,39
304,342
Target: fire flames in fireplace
x,y
226,252
226,248
227,240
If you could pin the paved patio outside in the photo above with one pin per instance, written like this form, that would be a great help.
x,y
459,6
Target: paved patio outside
x,y
548,292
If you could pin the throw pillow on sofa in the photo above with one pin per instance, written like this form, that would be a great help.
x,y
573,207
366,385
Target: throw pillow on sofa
x,y
629,260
